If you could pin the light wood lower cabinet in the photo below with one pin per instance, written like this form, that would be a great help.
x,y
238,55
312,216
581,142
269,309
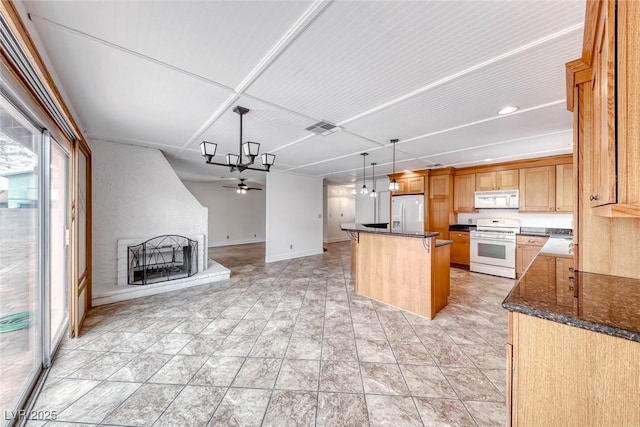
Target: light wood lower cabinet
x,y
460,249
560,375
527,247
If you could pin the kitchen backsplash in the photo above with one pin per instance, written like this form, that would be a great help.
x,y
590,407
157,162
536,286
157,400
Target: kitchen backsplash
x,y
526,219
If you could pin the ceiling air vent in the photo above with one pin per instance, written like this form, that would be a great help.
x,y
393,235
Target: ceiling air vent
x,y
323,128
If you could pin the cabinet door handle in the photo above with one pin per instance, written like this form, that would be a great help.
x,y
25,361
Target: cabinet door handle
x,y
531,241
571,269
593,197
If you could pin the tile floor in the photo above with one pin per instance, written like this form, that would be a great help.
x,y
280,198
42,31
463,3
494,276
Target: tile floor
x,y
285,343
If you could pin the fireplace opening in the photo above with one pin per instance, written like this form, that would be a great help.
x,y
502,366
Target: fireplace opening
x,y
162,258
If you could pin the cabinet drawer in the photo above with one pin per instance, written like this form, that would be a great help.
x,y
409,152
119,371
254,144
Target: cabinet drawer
x,y
531,240
459,236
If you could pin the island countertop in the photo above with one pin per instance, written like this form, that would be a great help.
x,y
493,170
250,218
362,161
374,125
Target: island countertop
x,y
550,289
375,230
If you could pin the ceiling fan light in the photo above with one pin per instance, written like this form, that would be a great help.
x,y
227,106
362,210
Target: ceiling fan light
x,y
251,149
232,159
393,185
243,191
208,149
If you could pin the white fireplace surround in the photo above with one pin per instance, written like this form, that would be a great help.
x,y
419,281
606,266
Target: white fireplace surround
x,y
122,254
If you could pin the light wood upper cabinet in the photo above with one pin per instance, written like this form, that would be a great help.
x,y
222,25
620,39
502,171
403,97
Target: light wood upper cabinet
x,y
439,186
565,190
507,180
415,185
464,187
410,185
538,189
603,173
485,181
497,180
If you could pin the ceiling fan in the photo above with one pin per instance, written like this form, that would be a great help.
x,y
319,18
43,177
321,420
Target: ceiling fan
x,y
242,188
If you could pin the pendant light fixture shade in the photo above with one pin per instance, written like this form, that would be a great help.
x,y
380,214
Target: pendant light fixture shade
x,y
393,185
364,189
373,193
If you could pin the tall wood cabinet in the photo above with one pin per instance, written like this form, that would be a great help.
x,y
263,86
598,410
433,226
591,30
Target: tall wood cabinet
x,y
440,203
605,100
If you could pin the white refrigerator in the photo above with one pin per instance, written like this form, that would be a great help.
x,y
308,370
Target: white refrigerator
x,y
407,213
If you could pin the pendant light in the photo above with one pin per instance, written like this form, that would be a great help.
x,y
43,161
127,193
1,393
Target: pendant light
x,y
373,193
393,185
364,190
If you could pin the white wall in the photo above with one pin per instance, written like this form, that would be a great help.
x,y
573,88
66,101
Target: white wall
x,y
526,219
340,208
136,193
234,218
294,216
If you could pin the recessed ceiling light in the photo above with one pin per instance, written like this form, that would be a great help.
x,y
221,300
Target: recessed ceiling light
x,y
488,160
508,109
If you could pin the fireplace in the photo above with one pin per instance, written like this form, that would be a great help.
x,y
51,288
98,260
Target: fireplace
x,y
162,258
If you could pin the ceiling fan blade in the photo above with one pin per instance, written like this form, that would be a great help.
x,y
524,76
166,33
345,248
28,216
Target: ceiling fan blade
x,y
228,186
254,188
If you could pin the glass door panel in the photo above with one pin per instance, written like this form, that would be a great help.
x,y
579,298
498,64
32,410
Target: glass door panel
x,y
58,244
20,262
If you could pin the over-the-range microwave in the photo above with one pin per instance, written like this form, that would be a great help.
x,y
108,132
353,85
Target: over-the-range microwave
x,y
496,199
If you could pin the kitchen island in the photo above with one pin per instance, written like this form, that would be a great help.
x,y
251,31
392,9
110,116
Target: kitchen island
x,y
407,270
573,348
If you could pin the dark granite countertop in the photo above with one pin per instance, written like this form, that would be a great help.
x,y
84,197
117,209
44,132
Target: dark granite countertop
x,y
374,230
596,302
542,231
462,227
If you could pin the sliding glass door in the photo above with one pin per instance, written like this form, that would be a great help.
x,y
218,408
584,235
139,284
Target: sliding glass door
x,y
21,255
35,217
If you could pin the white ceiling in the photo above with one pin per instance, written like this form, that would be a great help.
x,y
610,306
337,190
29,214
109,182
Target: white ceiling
x,y
433,74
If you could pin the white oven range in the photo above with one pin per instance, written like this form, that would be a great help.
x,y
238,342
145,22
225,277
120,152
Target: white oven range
x,y
493,247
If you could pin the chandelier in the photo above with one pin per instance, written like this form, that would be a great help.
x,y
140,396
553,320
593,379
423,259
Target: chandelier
x,y
236,161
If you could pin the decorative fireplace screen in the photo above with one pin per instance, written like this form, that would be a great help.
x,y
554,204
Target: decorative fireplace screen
x,y
162,258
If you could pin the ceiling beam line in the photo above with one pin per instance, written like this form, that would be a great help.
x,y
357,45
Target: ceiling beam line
x,y
132,52
466,71
300,26
427,135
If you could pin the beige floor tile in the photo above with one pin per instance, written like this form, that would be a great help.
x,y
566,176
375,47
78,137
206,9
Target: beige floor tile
x,y
341,409
241,407
291,408
444,413
394,411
